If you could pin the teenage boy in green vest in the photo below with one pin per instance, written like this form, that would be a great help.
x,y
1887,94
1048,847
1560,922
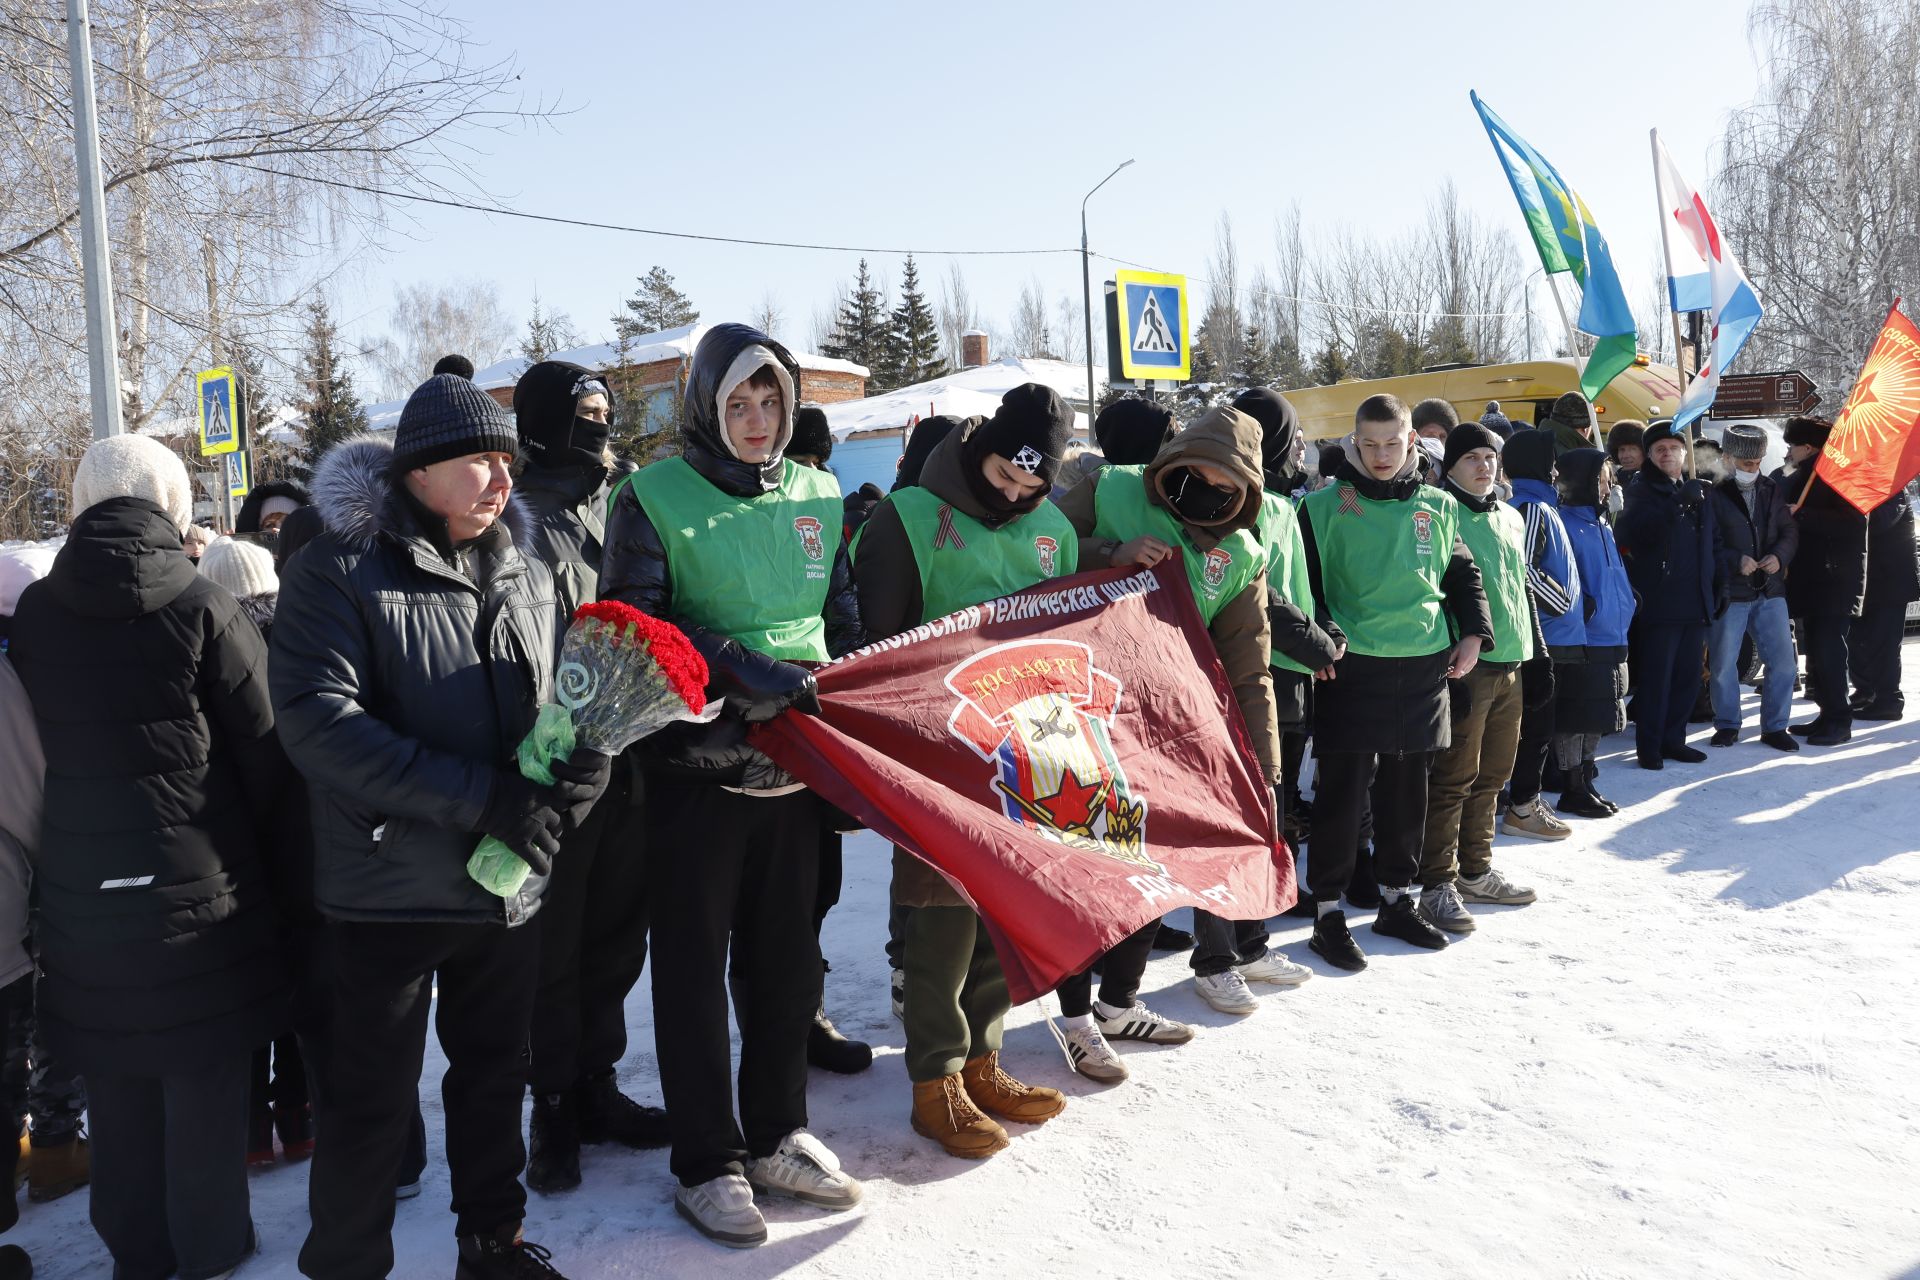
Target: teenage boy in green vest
x,y
740,547
976,527
1201,494
1463,787
1387,563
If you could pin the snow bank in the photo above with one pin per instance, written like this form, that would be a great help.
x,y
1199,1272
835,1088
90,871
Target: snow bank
x,y
969,391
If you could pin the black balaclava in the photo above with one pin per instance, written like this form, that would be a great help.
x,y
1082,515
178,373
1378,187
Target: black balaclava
x,y
927,434
552,434
1195,499
1131,431
1279,435
1030,429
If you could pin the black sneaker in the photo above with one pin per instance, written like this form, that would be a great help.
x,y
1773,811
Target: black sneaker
x,y
1808,729
608,1115
1401,919
1684,754
553,1144
1781,740
831,1051
1168,938
504,1256
1879,713
1724,738
1333,943
1830,737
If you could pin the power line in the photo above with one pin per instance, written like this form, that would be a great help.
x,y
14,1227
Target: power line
x,y
1339,306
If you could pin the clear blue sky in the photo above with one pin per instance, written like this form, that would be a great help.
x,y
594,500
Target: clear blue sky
x,y
980,125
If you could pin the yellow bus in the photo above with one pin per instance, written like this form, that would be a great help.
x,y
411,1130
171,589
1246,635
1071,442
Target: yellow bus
x,y
1526,391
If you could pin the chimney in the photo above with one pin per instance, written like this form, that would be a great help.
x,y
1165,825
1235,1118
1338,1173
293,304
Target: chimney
x,y
973,349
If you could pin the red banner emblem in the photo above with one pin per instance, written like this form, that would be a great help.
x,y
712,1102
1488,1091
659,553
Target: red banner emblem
x,y
810,540
1049,552
1423,527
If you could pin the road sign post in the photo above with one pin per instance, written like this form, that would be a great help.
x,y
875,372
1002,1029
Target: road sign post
x,y
223,427
1780,394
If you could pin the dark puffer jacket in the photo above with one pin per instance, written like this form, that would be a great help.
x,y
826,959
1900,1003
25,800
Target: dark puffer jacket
x,y
1667,536
159,941
1829,578
404,677
634,570
1767,530
1893,575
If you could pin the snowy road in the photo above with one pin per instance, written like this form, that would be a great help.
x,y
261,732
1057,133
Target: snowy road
x,y
1697,1055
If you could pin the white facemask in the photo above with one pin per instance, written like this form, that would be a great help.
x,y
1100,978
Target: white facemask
x,y
1745,479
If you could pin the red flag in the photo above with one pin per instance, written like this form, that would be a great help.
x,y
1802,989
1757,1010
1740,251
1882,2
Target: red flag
x,y
1875,446
1070,758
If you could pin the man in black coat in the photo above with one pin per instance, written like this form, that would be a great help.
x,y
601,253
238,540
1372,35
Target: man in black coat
x,y
1666,534
412,648
1828,585
1755,540
159,944
1893,582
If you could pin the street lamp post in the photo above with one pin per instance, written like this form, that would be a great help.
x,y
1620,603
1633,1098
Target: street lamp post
x,y
1086,281
103,365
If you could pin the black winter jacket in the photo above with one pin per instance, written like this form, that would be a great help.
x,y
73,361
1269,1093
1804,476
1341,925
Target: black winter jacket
x,y
403,681
1829,578
1893,575
158,937
1666,534
634,570
569,507
1768,530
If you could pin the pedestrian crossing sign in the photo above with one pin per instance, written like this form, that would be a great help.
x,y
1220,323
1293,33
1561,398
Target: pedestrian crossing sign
x,y
219,411
239,473
1153,318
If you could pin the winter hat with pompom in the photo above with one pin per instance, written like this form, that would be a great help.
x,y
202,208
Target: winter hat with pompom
x,y
243,568
130,466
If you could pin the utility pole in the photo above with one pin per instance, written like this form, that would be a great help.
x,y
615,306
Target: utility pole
x,y
1086,283
216,350
103,361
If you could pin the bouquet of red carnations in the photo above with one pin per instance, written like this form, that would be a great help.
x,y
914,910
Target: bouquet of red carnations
x,y
623,675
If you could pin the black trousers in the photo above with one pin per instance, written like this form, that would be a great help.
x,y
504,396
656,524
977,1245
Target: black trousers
x,y
1827,667
1120,972
732,876
593,941
382,979
1396,787
169,1170
1873,651
1670,684
1530,757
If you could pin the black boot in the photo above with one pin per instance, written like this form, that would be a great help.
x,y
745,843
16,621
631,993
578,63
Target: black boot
x,y
1401,919
608,1115
14,1263
503,1255
1593,792
553,1144
831,1051
1168,938
1578,800
1362,893
1333,943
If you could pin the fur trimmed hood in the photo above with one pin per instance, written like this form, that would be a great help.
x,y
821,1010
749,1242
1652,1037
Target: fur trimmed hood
x,y
358,498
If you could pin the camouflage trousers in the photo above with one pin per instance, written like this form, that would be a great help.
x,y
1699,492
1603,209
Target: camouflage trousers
x,y
33,1083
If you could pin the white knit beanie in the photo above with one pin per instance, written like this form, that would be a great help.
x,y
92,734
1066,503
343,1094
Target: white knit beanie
x,y
130,466
243,568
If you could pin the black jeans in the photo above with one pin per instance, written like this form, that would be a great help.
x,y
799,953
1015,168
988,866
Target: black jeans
x,y
1396,788
382,979
169,1170
732,876
1530,757
1670,656
1120,972
1827,668
593,941
1219,944
1873,651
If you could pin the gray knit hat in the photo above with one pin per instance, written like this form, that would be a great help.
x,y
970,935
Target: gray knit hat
x,y
1744,440
448,417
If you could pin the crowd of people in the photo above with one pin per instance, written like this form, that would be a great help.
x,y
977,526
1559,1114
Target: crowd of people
x,y
248,788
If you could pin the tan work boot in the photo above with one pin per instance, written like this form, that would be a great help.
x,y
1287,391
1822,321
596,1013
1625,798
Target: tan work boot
x,y
943,1111
58,1170
999,1094
1536,822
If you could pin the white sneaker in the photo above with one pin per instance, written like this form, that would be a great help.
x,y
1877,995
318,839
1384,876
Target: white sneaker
x,y
1275,968
898,986
1494,887
722,1209
1141,1023
1092,1056
1226,992
804,1169
1443,909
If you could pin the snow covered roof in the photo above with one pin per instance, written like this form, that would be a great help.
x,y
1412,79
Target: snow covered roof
x,y
648,348
967,392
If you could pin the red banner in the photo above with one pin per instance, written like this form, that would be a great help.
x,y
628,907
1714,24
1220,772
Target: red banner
x,y
1875,446
1070,758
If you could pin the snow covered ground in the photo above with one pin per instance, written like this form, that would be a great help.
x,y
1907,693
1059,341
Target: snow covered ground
x,y
1697,1055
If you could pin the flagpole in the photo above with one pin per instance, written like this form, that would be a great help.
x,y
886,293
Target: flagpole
x,y
1573,343
1679,363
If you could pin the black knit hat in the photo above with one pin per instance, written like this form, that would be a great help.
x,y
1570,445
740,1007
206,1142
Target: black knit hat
x,y
1467,437
456,364
546,403
1812,432
812,437
1131,431
448,417
1529,456
1030,429
1496,421
927,433
1573,409
1279,431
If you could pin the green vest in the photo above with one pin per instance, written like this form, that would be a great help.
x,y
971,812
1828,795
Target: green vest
x,y
1381,565
1121,511
963,562
1498,540
754,569
1286,564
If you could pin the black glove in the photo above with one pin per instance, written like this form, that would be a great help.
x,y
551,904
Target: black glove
x,y
1722,600
519,815
1459,700
1693,493
578,781
776,687
1536,682
1589,605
